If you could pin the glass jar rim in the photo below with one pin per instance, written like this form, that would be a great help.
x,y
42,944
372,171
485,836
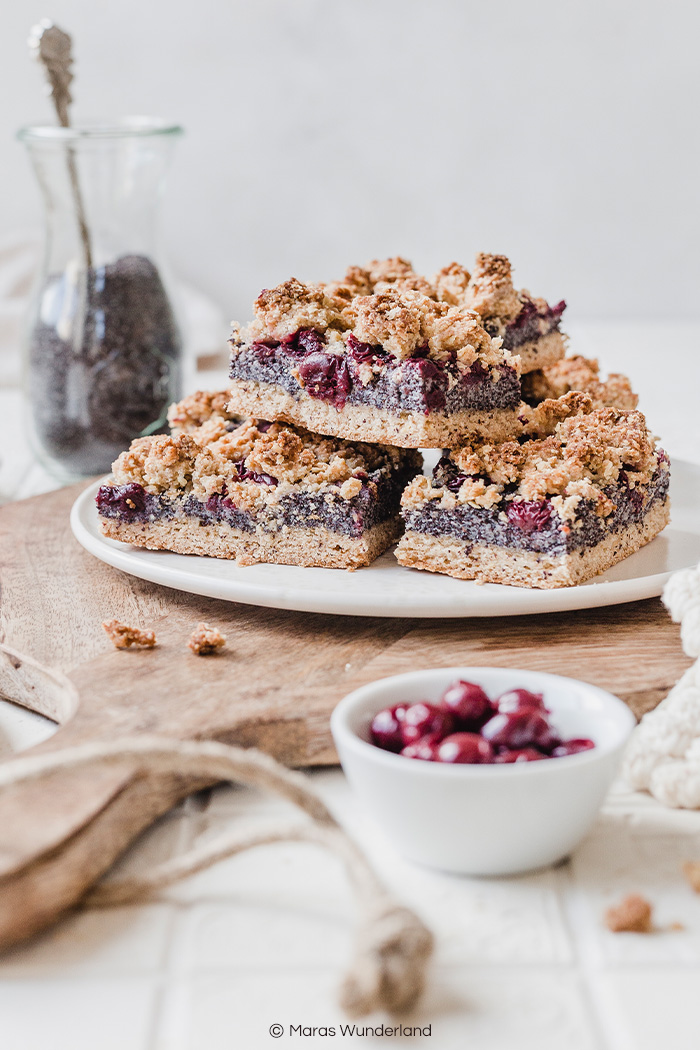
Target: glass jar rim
x,y
123,128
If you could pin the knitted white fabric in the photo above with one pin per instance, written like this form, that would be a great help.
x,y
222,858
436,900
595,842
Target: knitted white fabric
x,y
663,756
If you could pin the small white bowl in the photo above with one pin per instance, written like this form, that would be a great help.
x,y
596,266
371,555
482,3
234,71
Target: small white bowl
x,y
484,819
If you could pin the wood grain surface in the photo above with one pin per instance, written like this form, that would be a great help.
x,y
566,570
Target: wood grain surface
x,y
273,687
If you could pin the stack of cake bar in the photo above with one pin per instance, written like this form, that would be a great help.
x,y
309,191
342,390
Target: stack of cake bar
x,y
547,475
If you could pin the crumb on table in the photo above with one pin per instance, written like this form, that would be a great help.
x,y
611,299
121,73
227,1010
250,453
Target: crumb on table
x,y
206,640
124,637
632,915
691,870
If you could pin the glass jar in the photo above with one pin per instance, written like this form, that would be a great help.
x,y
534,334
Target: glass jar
x,y
103,353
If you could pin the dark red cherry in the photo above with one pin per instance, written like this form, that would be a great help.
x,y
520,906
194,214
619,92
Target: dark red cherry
x,y
325,376
529,515
572,747
424,719
386,728
469,705
466,748
425,749
524,754
516,698
525,727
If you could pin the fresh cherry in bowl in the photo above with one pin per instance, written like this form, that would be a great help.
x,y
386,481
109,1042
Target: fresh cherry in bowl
x,y
465,726
469,704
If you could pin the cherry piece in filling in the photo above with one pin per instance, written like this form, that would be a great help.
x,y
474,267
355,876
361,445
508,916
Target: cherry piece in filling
x,y
572,747
424,719
386,728
516,698
529,515
465,748
525,727
469,704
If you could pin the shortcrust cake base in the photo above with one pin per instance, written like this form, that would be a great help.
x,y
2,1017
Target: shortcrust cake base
x,y
290,546
520,568
367,423
541,353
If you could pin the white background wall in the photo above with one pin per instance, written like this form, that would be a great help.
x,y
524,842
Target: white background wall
x,y
320,133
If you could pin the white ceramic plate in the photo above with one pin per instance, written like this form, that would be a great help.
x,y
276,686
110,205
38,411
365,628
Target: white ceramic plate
x,y
385,588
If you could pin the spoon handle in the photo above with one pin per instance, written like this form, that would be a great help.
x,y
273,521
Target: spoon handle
x,y
52,47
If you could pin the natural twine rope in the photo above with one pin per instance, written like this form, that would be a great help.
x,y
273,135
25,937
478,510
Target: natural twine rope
x,y
392,945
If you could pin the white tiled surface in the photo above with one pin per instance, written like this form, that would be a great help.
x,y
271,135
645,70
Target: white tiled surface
x,y
522,963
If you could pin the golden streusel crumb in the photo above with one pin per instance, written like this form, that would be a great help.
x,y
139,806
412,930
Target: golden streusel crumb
x,y
124,637
390,319
293,305
632,915
544,418
418,491
206,640
198,408
445,328
582,374
358,280
414,282
392,269
451,284
490,291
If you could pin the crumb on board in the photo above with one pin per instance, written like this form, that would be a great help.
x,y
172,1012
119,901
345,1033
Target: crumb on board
x,y
206,640
691,870
632,915
124,637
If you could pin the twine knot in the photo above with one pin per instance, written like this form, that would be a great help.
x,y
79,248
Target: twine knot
x,y
392,952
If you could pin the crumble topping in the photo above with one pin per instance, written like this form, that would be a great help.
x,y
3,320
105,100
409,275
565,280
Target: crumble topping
x,y
386,304
205,412
206,640
411,283
451,283
283,310
542,420
255,462
357,280
123,637
378,276
158,463
571,452
393,269
390,319
580,373
632,915
490,291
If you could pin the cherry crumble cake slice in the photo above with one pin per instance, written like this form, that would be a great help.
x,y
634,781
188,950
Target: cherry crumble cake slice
x,y
375,357
580,490
255,491
529,327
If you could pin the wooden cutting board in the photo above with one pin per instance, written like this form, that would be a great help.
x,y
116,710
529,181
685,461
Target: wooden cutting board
x,y
273,687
